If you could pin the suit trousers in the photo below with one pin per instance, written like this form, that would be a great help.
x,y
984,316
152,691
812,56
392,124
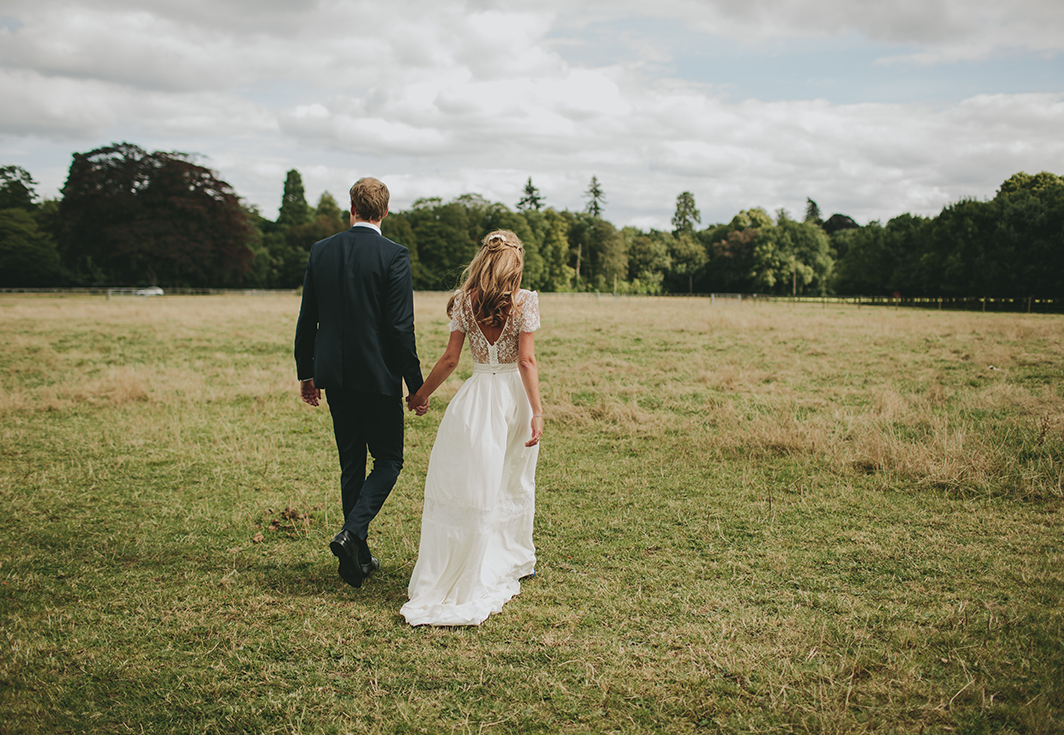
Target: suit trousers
x,y
366,421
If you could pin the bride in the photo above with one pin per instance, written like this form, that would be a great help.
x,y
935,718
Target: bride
x,y
476,529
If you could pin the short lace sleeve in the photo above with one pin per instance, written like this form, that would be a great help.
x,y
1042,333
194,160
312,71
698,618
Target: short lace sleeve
x,y
530,312
458,316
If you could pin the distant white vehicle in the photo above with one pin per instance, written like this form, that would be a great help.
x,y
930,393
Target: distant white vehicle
x,y
152,291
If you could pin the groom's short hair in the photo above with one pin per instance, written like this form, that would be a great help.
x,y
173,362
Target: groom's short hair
x,y
369,199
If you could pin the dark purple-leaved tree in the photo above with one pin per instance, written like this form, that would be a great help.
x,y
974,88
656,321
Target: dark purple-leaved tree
x,y
129,217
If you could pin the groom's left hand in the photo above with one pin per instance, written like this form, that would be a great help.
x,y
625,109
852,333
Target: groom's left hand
x,y
418,409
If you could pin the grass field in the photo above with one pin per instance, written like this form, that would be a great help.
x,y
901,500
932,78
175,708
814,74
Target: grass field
x,y
763,518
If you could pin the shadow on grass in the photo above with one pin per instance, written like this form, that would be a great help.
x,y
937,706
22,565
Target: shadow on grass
x,y
385,589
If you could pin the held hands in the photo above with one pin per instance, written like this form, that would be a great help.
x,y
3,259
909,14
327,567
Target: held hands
x,y
417,404
537,431
309,393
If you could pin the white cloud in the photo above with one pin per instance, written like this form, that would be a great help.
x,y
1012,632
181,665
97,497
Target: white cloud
x,y
77,109
134,48
63,108
940,30
444,99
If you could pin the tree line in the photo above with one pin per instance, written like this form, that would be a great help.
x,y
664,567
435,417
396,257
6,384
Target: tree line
x,y
129,217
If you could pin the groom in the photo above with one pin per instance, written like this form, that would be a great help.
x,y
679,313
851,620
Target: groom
x,y
355,340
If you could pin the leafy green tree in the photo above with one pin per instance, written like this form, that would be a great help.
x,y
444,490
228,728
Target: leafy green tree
x,y
606,254
755,254
294,208
1005,247
730,249
598,249
1028,236
285,244
596,200
732,261
499,217
259,272
448,235
1009,246
476,210
686,214
771,262
747,218
396,227
576,235
17,188
324,221
837,222
551,233
808,248
903,267
863,261
447,238
1025,182
648,260
328,208
302,237
130,217
28,252
556,253
47,216
812,212
688,258
28,256
427,202
532,199
277,264
791,257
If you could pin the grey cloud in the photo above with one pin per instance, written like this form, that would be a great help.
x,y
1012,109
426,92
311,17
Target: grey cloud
x,y
136,49
189,46
442,103
868,161
361,134
53,108
278,17
939,30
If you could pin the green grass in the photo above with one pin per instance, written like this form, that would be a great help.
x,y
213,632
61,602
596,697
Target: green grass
x,y
764,518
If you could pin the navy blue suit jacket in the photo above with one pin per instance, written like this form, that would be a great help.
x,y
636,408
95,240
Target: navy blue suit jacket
x,y
356,321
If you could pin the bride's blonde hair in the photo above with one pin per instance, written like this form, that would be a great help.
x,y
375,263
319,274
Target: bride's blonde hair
x,y
493,278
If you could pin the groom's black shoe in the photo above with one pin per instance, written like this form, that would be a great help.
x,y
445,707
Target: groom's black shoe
x,y
345,548
368,569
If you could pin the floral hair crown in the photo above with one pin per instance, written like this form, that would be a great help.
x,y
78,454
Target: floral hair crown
x,y
497,240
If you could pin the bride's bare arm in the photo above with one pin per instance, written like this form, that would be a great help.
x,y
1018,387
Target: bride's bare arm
x,y
526,363
440,372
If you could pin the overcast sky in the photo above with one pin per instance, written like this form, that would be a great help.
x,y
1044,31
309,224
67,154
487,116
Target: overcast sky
x,y
872,108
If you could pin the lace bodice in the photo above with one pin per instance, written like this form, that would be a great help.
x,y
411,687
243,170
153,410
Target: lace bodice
x,y
524,318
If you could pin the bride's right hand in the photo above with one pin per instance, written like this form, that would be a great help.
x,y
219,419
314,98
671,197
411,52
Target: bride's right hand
x,y
537,431
417,404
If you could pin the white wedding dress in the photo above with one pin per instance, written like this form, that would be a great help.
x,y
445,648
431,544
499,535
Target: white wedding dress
x,y
480,490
